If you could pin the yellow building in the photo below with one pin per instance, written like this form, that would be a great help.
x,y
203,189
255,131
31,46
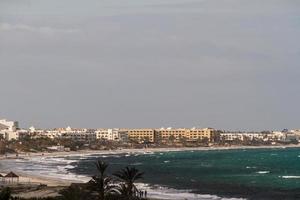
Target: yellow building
x,y
177,135
200,134
141,135
169,134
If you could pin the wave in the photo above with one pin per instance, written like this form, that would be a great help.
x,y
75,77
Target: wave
x,y
164,193
57,168
263,172
290,177
148,153
135,164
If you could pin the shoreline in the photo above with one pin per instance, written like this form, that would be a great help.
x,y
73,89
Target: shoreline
x,y
24,155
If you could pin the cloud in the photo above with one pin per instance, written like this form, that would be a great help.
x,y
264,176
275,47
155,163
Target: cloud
x,y
36,29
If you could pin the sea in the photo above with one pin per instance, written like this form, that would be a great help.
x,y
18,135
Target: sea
x,y
191,175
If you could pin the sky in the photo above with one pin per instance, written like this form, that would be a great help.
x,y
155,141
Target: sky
x,y
227,64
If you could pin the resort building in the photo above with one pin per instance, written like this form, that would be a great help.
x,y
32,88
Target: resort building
x,y
107,134
8,129
8,125
141,135
52,134
78,134
112,134
278,136
9,135
170,134
195,134
231,136
247,136
191,135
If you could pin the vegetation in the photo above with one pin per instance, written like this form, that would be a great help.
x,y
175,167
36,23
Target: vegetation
x,y
73,193
102,183
128,177
5,194
120,186
31,144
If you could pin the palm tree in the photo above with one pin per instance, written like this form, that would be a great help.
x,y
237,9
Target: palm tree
x,y
121,190
129,176
102,183
73,193
101,167
5,194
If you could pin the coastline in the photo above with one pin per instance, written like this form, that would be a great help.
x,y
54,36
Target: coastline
x,y
144,150
55,182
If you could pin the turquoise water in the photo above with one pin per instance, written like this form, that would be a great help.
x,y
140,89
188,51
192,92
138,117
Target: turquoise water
x,y
265,168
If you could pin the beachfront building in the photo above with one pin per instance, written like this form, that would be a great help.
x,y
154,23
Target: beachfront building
x,y
170,135
231,136
296,132
8,125
196,134
141,135
183,134
248,136
277,136
52,134
9,135
290,137
78,134
123,136
114,134
8,129
36,133
255,136
107,134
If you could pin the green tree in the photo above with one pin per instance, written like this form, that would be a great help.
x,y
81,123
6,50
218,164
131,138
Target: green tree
x,y
129,176
172,138
73,193
102,183
5,194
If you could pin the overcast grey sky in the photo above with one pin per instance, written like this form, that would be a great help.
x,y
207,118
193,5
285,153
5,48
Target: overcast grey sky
x,y
228,64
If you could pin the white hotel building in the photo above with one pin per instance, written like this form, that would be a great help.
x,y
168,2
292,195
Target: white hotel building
x,y
112,134
8,129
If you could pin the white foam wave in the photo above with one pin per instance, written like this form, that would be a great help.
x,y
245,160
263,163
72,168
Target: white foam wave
x,y
290,177
138,163
159,192
263,172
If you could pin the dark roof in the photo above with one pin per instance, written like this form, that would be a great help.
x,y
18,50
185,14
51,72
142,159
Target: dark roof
x,y
11,175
